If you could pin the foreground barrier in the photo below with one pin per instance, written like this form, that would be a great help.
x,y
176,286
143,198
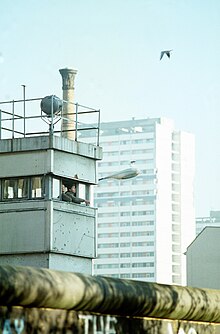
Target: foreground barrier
x,y
45,301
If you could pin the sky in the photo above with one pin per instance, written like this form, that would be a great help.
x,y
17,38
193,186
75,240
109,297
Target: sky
x,y
115,46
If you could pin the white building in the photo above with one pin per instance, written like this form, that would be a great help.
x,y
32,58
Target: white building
x,y
145,223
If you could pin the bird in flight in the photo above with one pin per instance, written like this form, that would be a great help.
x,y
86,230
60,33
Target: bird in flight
x,y
165,52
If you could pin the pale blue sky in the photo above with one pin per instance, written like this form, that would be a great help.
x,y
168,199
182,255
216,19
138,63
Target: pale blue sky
x,y
115,46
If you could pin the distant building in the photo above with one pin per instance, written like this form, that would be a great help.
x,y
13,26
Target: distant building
x,y
203,258
145,223
212,220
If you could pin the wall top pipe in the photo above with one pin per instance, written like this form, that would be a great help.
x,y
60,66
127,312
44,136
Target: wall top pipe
x,y
34,287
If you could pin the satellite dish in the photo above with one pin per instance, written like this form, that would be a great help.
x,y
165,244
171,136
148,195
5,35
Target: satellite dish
x,y
49,107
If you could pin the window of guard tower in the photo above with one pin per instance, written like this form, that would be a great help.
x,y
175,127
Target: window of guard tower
x,y
15,188
56,190
82,190
37,187
22,188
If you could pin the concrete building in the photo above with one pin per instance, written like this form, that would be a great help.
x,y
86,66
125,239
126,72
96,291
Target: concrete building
x,y
203,257
213,220
145,223
38,228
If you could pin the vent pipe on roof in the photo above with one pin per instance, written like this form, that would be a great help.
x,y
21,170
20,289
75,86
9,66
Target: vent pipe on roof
x,y
68,121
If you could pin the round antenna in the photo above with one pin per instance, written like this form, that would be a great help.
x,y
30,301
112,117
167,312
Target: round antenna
x,y
51,105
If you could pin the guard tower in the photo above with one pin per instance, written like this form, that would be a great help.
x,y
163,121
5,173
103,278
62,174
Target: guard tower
x,y
39,152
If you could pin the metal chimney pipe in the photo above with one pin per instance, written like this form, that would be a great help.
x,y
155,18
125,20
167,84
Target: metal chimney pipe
x,y
68,122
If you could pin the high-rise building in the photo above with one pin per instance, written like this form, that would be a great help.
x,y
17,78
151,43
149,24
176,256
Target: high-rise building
x,y
213,220
145,223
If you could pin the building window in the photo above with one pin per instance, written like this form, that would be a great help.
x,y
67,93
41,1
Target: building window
x,y
139,244
107,225
113,153
125,254
23,188
56,188
37,187
15,188
142,275
125,244
125,234
175,218
125,265
175,227
142,264
176,279
124,142
125,214
125,152
139,254
176,248
176,258
108,256
109,194
124,162
142,233
176,269
107,215
175,237
125,224
107,235
108,245
150,243
142,213
125,276
107,266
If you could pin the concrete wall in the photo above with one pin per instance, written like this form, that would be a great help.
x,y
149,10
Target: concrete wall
x,y
51,234
24,227
60,156
73,229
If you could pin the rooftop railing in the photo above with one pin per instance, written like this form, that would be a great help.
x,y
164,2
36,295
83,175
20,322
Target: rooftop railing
x,y
25,118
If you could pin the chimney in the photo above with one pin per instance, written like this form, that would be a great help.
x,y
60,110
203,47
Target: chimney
x,y
68,76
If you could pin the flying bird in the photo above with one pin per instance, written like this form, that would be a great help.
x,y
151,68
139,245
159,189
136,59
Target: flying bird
x,y
124,174
165,52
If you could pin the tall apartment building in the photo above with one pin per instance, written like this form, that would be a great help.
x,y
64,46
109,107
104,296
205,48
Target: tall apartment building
x,y
145,223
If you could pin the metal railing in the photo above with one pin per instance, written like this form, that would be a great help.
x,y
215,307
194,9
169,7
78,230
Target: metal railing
x,y
24,118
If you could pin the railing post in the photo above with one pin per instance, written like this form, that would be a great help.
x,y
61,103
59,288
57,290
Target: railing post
x,y
13,119
24,111
51,124
98,127
76,125
0,124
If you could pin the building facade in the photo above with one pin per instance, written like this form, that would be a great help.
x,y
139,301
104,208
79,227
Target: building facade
x,y
213,220
145,223
203,259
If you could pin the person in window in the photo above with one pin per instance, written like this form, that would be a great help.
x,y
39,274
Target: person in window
x,y
64,196
71,193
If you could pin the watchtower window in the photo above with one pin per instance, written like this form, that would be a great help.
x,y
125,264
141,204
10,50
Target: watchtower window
x,y
37,187
56,193
15,188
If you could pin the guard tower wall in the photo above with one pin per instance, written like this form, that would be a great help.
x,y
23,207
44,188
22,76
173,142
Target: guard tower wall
x,y
43,230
